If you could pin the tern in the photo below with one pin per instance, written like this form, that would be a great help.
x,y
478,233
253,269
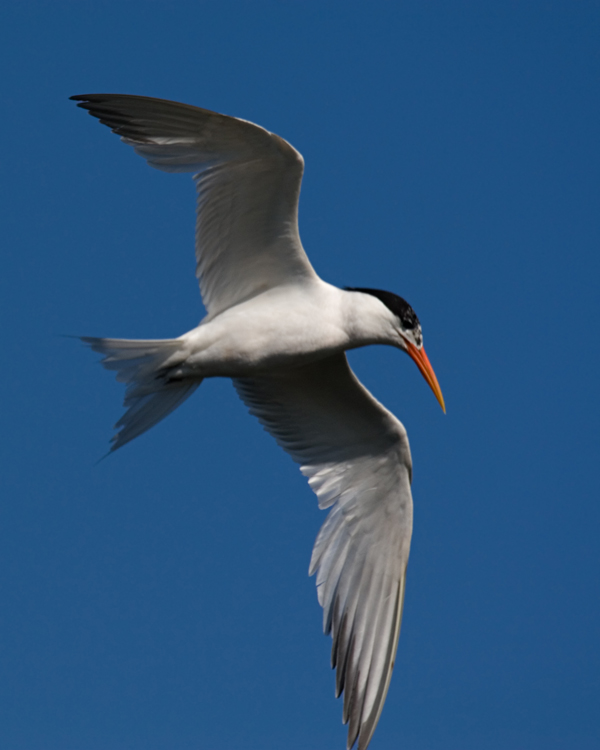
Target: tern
x,y
280,333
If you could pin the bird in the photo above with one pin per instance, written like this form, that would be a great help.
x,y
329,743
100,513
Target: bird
x,y
281,334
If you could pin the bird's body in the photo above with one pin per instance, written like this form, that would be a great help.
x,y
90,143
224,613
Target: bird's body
x,y
275,329
280,333
282,327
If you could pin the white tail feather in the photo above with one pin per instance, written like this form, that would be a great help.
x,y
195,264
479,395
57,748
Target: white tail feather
x,y
154,388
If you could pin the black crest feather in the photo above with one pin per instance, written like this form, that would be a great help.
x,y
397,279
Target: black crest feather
x,y
400,307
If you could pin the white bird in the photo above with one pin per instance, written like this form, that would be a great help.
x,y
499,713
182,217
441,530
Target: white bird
x,y
281,334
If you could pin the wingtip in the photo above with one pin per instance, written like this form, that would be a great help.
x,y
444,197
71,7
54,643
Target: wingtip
x,y
86,101
87,97
81,98
106,455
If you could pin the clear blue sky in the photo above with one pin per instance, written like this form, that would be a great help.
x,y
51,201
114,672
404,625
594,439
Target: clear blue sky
x,y
159,600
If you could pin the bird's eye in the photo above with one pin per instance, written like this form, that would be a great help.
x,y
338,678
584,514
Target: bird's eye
x,y
414,332
409,320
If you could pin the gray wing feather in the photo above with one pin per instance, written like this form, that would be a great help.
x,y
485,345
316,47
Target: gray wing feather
x,y
356,456
248,183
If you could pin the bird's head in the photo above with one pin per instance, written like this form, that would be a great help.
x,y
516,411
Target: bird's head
x,y
407,334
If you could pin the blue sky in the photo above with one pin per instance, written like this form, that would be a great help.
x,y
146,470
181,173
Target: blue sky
x,y
159,600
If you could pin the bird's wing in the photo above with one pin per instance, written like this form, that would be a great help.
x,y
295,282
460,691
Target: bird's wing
x,y
356,456
248,183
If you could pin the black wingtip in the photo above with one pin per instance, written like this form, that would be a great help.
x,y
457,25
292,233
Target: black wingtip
x,y
81,98
85,101
106,455
90,97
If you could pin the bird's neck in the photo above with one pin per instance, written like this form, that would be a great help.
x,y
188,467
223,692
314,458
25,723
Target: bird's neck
x,y
367,321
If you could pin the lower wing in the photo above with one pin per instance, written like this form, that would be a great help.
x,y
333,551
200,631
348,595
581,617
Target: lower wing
x,y
356,456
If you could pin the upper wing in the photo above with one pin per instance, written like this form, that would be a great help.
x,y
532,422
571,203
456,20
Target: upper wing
x,y
248,183
356,456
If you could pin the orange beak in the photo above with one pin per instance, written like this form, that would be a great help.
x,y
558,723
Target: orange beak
x,y
424,365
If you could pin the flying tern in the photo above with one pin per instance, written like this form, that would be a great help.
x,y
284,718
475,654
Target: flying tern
x,y
280,333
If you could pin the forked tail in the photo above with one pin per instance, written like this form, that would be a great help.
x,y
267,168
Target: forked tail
x,y
150,371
